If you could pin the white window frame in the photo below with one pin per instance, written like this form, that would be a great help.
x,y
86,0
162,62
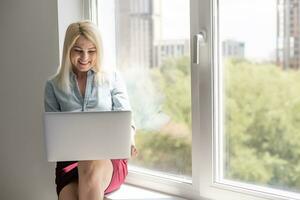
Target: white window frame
x,y
206,99
90,10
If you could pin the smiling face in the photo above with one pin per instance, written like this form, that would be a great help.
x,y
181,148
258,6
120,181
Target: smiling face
x,y
83,55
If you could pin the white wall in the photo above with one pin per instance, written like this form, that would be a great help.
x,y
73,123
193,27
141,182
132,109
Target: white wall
x,y
29,53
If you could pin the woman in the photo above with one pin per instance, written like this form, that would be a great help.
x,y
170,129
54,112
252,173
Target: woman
x,y
81,84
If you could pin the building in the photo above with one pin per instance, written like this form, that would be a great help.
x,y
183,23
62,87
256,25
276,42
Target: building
x,y
288,34
233,49
138,26
164,49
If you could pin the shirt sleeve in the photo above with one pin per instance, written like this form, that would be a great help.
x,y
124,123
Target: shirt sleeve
x,y
120,99
50,102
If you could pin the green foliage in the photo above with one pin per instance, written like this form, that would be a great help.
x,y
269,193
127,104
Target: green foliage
x,y
163,152
262,124
169,148
175,82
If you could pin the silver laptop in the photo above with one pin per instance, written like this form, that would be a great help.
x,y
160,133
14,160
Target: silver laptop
x,y
73,136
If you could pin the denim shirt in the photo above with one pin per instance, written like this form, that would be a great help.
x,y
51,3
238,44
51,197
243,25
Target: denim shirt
x,y
105,96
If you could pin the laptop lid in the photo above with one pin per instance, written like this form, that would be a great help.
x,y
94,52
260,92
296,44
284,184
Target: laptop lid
x,y
73,136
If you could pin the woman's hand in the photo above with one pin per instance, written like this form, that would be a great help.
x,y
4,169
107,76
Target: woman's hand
x,y
134,151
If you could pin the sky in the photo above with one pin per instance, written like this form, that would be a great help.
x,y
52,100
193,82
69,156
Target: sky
x,y
175,19
250,21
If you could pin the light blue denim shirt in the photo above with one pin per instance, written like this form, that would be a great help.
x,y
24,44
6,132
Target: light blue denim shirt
x,y
105,96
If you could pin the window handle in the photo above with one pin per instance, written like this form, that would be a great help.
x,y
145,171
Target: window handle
x,y
198,41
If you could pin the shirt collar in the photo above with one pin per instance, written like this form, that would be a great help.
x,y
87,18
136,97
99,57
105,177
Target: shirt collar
x,y
89,73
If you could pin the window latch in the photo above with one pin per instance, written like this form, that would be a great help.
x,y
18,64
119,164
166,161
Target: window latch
x,y
198,41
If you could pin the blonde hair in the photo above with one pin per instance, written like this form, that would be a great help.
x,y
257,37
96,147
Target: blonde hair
x,y
91,32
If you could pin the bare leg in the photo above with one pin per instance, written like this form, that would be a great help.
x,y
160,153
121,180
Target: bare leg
x,y
69,192
94,178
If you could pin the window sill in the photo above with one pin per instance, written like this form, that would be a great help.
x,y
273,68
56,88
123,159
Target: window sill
x,y
127,192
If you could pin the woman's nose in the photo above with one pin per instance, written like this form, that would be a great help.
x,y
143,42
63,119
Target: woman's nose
x,y
84,55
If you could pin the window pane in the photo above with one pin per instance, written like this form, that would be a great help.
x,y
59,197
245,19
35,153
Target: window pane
x,y
152,48
260,66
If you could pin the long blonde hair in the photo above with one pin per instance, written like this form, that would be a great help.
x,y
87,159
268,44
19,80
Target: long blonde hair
x,y
91,32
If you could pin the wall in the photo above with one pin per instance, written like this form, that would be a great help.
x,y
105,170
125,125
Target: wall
x,y
29,53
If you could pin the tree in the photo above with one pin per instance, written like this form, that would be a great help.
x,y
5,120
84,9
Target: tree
x,y
262,124
168,146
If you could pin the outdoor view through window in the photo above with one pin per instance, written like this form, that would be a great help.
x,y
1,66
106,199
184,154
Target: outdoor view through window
x,y
153,53
260,44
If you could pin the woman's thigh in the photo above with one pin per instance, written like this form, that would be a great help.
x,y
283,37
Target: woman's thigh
x,y
69,192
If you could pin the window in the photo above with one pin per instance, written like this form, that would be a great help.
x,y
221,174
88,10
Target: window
x,y
159,84
240,111
160,94
257,123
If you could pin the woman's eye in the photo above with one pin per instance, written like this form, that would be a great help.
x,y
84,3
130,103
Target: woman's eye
x,y
78,50
91,52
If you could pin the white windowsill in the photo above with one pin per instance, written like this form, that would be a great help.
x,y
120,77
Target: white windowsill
x,y
129,192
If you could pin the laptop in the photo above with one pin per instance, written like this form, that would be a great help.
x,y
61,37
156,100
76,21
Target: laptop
x,y
75,136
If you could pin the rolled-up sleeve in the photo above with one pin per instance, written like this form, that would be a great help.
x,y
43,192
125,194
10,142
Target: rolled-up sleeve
x,y
120,99
50,102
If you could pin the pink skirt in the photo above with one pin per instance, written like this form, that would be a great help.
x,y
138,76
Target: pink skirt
x,y
67,172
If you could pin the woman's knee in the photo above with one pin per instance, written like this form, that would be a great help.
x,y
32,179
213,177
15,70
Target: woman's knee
x,y
95,172
93,167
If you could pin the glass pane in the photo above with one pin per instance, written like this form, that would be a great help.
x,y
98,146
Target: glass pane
x,y
261,109
152,48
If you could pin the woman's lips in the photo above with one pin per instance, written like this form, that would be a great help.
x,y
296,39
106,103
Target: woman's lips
x,y
83,63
